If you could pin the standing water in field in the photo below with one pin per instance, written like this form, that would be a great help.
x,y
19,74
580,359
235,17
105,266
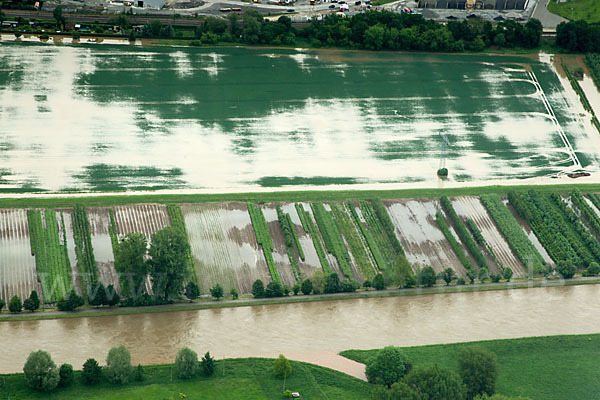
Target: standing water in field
x,y
116,117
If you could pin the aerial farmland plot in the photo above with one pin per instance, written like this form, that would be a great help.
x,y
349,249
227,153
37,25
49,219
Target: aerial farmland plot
x,y
99,220
326,117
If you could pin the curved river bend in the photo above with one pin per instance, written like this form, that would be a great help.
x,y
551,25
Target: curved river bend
x,y
309,331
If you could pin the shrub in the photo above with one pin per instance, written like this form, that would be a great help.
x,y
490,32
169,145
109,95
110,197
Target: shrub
x,y
436,383
15,305
2,304
349,285
592,269
566,269
234,294
66,375
508,273
296,289
460,281
91,372
192,291
274,289
44,36
306,287
483,274
258,289
207,364
478,369
139,373
186,363
387,367
442,172
216,292
427,277
118,365
40,371
378,282
332,285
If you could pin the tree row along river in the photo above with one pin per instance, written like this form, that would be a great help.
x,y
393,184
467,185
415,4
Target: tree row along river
x,y
309,331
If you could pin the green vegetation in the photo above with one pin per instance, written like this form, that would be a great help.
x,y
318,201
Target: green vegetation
x,y
590,216
388,225
578,36
463,233
527,367
592,60
575,10
51,257
309,226
291,241
86,261
263,237
512,231
296,239
582,97
378,241
332,237
167,264
177,222
458,250
478,236
247,379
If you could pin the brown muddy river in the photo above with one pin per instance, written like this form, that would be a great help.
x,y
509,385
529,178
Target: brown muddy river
x,y
309,331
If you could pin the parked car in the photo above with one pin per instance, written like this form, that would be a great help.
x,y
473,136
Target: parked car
x,y
357,3
332,6
290,10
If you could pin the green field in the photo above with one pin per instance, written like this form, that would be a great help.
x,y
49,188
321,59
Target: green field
x,y
244,379
587,10
545,368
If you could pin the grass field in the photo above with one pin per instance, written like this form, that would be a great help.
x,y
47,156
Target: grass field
x,y
244,379
587,10
545,368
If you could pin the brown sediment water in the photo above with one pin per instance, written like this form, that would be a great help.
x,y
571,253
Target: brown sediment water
x,y
309,331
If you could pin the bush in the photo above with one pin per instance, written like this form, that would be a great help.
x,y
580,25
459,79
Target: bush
x,y
332,285
566,269
349,285
460,281
139,373
234,294
592,269
296,289
508,273
478,369
40,371
216,292
258,289
15,305
186,363
426,277
70,302
274,289
118,365
435,383
306,287
2,304
66,375
483,275
378,282
91,372
192,291
387,367
208,364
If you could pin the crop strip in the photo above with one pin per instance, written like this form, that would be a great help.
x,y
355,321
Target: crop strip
x,y
453,242
177,222
388,225
587,211
371,242
478,236
263,237
287,228
314,234
332,237
83,248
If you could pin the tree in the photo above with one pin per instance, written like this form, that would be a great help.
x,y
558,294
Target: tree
x,y
98,297
131,36
234,293
207,364
398,391
112,297
566,269
28,305
374,36
186,363
91,372
2,304
332,285
118,365
306,287
500,40
296,289
471,274
282,368
66,375
592,269
35,299
71,302
192,291
274,289
216,292
258,289
168,260
478,369
15,305
427,277
483,274
378,282
448,275
138,375
131,264
166,31
58,16
508,273
434,383
318,280
349,285
387,367
402,273
40,371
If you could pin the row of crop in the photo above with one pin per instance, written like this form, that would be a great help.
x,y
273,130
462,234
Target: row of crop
x,y
378,233
51,257
309,226
371,242
84,250
332,237
478,236
362,256
595,199
458,250
263,237
582,97
512,231
287,228
588,213
592,60
388,225
178,222
463,233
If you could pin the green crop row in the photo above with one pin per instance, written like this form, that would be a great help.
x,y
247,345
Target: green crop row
x,y
263,237
371,242
310,227
512,231
332,237
287,227
296,238
453,242
377,232
86,261
178,222
595,199
477,235
588,213
463,233
356,242
388,225
592,60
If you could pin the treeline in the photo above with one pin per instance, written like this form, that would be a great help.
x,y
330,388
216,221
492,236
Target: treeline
x,y
578,36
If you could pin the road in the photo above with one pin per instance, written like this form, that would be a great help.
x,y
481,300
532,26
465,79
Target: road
x,y
547,19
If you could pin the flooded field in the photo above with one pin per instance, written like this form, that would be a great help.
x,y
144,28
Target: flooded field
x,y
101,117
318,328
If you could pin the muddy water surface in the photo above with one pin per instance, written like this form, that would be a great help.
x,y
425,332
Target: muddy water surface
x,y
320,328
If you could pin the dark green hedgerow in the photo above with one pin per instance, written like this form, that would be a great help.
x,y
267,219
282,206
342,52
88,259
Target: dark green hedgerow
x,y
388,225
332,237
287,228
310,227
371,242
178,222
263,237
86,261
477,235
458,250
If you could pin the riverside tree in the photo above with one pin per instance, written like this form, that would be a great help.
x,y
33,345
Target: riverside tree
x,y
434,383
478,368
192,291
168,260
216,291
118,365
71,302
258,289
66,375
378,282
15,305
131,264
186,363
91,372
306,287
207,364
332,285
388,367
448,275
98,297
282,368
508,273
2,304
427,277
33,302
274,289
40,371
